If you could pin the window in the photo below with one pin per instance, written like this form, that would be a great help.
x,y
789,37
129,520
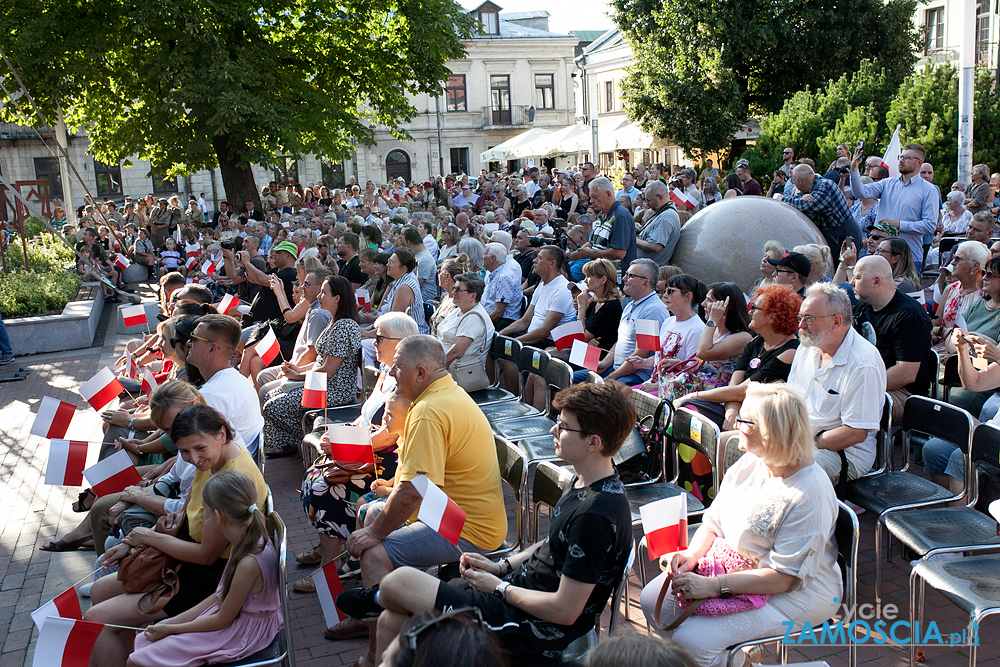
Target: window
x,y
545,90
982,32
163,185
109,179
460,160
47,169
490,21
455,93
332,173
609,95
286,169
933,29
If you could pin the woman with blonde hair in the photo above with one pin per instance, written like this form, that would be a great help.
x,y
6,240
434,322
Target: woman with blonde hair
x,y
599,307
820,260
775,511
772,250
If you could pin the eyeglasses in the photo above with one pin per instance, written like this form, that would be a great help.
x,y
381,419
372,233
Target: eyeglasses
x,y
809,319
671,290
633,275
560,428
909,157
744,422
473,614
877,237
784,271
379,338
883,251
174,342
207,340
989,274
754,308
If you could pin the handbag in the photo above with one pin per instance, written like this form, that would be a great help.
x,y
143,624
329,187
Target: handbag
x,y
470,373
150,571
720,558
680,378
341,472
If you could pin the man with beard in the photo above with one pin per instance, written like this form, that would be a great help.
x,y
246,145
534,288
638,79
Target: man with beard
x,y
843,378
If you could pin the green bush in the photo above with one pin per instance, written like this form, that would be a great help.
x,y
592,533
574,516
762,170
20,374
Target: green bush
x,y
45,254
34,226
32,293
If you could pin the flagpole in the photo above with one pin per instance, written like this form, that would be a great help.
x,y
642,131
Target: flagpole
x,y
87,577
123,627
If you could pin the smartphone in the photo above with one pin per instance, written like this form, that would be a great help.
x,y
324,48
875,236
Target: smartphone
x,y
859,151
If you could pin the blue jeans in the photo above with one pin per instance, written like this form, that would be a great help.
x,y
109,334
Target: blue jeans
x,y
628,380
5,349
943,458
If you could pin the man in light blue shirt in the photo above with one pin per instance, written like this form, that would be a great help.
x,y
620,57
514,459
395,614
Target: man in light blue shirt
x,y
907,202
628,188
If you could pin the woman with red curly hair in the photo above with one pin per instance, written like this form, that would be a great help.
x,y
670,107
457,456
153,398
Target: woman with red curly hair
x,y
774,314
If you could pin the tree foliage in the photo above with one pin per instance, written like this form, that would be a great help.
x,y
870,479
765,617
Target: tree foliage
x,y
702,67
191,84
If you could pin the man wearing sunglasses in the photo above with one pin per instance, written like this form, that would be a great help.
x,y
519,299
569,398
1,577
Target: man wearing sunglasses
x,y
543,598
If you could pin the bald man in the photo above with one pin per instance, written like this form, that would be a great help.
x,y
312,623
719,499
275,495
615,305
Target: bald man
x,y
823,201
901,327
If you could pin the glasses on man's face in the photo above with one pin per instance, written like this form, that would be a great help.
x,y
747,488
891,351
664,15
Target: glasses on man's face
x,y
785,271
206,340
635,275
809,319
560,428
904,158
876,237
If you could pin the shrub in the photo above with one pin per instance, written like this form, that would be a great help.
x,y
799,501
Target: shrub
x,y
32,293
34,226
45,254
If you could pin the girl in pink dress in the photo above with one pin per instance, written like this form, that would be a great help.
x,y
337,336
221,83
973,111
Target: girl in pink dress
x,y
244,615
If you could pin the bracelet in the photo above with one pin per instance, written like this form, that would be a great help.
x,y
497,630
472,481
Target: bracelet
x,y
849,266
506,562
285,311
138,450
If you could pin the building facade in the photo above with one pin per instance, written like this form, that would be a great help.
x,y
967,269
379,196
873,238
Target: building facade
x,y
940,23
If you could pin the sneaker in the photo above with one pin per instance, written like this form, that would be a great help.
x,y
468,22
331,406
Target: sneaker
x,y
360,603
85,589
6,359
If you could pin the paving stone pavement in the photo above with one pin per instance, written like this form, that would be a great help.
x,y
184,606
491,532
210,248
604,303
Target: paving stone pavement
x,y
32,513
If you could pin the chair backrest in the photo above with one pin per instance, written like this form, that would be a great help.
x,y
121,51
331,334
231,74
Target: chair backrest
x,y
533,361
729,454
547,487
369,376
883,439
935,372
593,378
558,375
847,534
946,244
950,379
985,459
938,420
513,470
698,432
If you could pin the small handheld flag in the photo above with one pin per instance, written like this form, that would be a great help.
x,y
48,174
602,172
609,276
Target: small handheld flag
x,y
67,460
364,299
314,393
267,347
53,418
328,587
439,511
112,474
65,642
665,524
228,304
121,261
64,605
148,381
134,315
647,335
565,334
584,355
101,389
350,444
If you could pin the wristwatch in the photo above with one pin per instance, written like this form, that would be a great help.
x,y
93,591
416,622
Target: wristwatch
x,y
724,592
131,424
501,590
710,323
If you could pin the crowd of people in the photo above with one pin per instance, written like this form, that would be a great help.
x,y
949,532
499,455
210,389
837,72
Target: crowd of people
x,y
415,282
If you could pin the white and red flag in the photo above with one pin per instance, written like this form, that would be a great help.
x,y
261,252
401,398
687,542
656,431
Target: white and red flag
x,y
364,299
680,198
192,250
67,461
65,642
228,304
112,474
148,381
328,587
267,347
647,335
64,605
891,158
208,268
349,443
53,418
134,315
121,261
101,389
439,511
565,334
190,264
131,367
314,393
585,356
665,524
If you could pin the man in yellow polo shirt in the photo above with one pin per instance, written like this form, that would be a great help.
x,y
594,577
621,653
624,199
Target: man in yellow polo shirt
x,y
447,438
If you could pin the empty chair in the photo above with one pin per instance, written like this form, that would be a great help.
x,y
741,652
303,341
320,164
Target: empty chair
x,y
558,375
513,469
531,361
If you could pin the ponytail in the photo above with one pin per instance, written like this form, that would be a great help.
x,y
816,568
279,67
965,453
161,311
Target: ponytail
x,y
234,494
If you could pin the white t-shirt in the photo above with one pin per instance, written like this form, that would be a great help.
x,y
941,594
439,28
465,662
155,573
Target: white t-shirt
x,y
678,340
234,396
457,324
549,297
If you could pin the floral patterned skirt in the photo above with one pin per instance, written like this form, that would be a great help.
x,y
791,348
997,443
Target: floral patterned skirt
x,y
331,507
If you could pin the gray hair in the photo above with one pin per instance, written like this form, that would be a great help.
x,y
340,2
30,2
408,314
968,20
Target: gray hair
x,y
654,188
955,195
503,238
496,251
474,249
652,270
836,299
603,184
422,350
974,252
687,171
983,170
397,325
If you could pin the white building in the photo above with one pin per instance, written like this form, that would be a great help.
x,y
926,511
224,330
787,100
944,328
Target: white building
x,y
940,23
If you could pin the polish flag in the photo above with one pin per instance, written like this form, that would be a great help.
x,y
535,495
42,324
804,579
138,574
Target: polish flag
x,y
65,642
647,335
665,524
349,443
267,347
680,198
439,511
228,304
53,418
67,461
101,389
112,474
64,605
565,334
131,368
134,315
190,264
364,299
148,382
121,261
208,268
328,587
192,250
585,356
286,224
314,394
891,158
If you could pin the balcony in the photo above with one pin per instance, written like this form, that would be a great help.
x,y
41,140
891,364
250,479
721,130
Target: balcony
x,y
516,115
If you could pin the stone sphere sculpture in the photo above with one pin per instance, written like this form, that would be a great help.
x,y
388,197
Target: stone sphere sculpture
x,y
725,241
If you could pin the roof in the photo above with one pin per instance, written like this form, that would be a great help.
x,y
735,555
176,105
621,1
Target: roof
x,y
587,35
517,16
512,30
609,39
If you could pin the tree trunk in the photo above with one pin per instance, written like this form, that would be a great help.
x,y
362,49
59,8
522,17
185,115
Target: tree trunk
x,y
736,148
237,180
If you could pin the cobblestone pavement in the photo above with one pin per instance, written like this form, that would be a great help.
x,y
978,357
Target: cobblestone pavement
x,y
32,513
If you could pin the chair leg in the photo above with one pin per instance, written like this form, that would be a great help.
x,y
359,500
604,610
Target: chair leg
x,y
973,649
913,615
878,570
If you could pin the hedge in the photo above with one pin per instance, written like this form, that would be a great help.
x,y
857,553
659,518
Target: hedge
x,y
49,284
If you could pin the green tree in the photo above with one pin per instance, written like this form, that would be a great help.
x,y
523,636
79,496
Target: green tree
x,y
702,67
192,84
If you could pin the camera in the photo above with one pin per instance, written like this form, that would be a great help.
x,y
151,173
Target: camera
x,y
227,245
559,239
843,170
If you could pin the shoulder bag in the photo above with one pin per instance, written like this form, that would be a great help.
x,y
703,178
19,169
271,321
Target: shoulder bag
x,y
150,571
469,373
341,472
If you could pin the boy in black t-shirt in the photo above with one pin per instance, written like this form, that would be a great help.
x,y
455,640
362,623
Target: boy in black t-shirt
x,y
553,592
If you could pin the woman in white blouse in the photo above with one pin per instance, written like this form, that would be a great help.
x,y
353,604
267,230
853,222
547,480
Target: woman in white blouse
x,y
468,329
777,508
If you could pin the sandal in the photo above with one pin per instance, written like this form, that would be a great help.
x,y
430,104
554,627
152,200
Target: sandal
x,y
85,543
81,501
351,568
